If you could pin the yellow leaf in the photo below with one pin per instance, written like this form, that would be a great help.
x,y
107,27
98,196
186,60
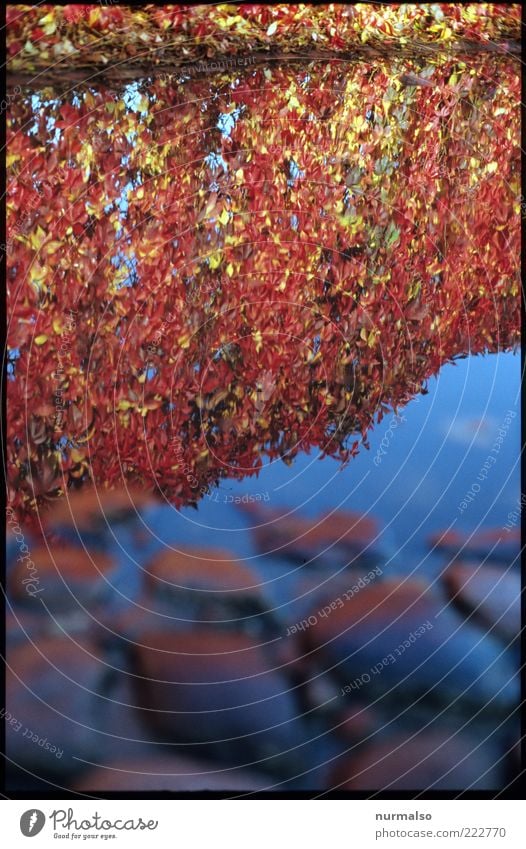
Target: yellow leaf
x,y
258,339
224,218
37,275
53,247
94,16
39,340
359,122
294,102
37,238
143,104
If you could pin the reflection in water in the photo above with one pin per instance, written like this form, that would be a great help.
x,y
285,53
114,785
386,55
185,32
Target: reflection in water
x,y
215,282
185,669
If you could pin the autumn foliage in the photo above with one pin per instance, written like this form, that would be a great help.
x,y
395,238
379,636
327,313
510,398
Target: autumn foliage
x,y
204,271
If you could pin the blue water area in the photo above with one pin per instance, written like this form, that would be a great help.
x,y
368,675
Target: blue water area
x,y
414,479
